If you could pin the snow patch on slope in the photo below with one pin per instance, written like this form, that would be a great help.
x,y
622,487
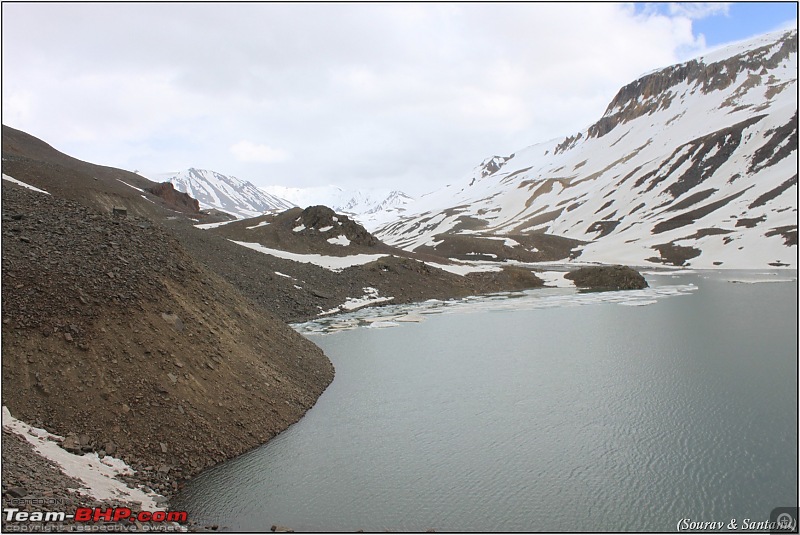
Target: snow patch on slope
x,y
97,475
333,263
23,184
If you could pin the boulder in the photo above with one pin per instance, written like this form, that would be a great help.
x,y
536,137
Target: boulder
x,y
607,278
72,444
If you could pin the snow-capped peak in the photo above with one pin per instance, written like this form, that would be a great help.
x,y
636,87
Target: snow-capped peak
x,y
370,207
222,192
693,165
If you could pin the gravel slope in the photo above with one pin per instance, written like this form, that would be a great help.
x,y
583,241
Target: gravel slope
x,y
113,332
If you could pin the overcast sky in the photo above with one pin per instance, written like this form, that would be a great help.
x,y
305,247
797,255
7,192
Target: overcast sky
x,y
406,96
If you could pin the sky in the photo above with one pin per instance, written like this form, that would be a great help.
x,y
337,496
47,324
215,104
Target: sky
x,y
408,96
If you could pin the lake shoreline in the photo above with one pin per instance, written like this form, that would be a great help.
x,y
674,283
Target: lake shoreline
x,y
290,475
755,276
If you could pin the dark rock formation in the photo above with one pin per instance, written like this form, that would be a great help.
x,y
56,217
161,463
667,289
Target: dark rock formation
x,y
607,278
652,92
320,217
173,197
492,165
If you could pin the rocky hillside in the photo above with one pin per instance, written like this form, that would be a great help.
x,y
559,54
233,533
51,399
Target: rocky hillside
x,y
692,165
34,162
112,333
298,289
316,229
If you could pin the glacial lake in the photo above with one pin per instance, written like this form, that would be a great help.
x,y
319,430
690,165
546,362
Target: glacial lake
x,y
548,410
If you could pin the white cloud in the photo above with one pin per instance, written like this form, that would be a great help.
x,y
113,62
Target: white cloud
x,y
412,94
247,151
699,10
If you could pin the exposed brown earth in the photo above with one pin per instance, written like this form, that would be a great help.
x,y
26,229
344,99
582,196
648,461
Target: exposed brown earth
x,y
307,231
676,255
34,162
112,331
533,247
408,280
173,197
310,289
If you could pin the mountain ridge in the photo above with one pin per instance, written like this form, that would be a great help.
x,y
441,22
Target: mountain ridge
x,y
226,193
35,162
371,207
692,165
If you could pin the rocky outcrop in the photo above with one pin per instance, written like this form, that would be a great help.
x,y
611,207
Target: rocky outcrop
x,y
607,278
321,217
314,230
492,165
652,92
182,201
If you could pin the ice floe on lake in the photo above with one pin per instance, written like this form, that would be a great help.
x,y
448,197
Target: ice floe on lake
x,y
370,297
396,315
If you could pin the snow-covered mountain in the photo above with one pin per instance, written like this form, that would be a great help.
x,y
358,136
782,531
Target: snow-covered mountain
x,y
371,208
227,193
694,164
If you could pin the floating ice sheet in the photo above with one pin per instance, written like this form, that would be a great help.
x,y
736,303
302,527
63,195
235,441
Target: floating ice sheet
x,y
395,315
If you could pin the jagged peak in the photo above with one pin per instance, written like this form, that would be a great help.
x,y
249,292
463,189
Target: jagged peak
x,y
715,71
224,192
397,194
490,165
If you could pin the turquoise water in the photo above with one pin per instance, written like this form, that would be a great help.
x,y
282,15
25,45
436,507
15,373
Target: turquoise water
x,y
540,411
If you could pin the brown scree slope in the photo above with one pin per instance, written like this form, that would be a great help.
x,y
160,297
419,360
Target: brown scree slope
x,y
111,330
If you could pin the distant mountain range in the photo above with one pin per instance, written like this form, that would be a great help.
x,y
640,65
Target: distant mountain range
x,y
226,193
691,165
371,208
243,199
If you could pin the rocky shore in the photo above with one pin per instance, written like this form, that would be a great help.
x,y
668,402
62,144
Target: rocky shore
x,y
310,289
118,340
